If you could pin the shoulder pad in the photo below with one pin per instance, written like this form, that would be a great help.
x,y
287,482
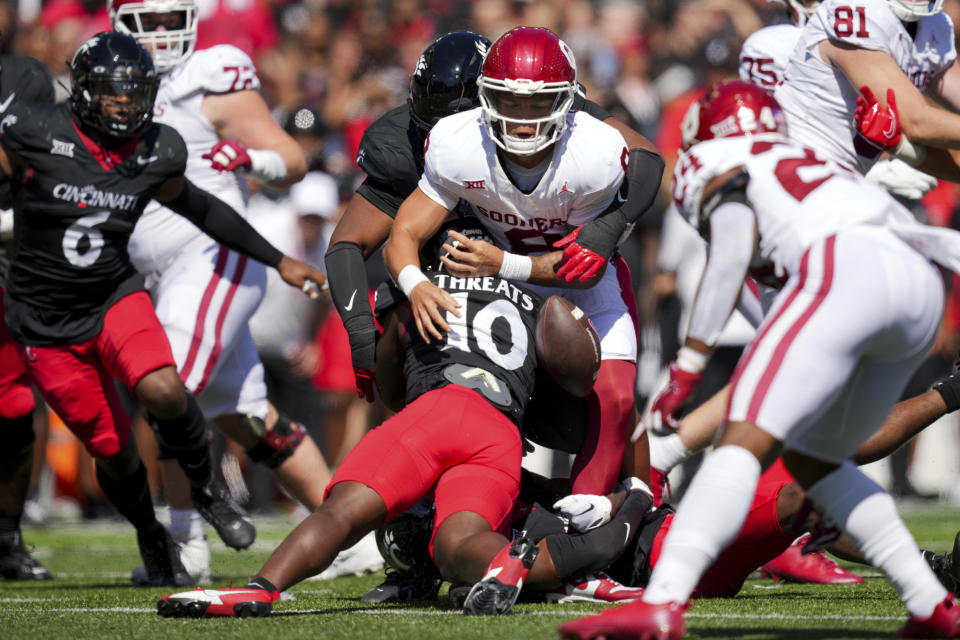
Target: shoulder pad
x,y
388,153
221,69
28,79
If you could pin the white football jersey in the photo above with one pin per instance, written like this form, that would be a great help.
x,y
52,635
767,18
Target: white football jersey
x,y
798,197
583,178
818,100
161,233
765,53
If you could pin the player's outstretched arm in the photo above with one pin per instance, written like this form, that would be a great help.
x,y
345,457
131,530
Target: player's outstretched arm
x,y
218,220
361,230
417,220
251,139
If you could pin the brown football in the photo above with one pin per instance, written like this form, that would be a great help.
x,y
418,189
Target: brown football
x,y
568,347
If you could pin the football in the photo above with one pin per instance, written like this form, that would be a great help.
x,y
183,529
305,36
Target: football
x,y
568,347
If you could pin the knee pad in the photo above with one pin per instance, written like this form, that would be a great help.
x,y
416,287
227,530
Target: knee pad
x,y
277,444
18,437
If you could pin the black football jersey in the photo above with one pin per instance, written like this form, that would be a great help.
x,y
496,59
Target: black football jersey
x,y
76,206
490,347
22,79
391,154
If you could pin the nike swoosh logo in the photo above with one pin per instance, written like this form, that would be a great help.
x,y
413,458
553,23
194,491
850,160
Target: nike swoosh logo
x,y
620,197
6,103
627,537
145,161
349,305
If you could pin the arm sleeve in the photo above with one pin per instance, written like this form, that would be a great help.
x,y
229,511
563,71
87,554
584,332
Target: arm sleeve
x,y
732,230
348,290
219,221
637,193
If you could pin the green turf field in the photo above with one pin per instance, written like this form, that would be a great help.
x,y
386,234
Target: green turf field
x,y
92,598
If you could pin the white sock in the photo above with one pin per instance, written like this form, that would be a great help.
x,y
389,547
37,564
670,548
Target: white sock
x,y
868,515
666,452
709,516
185,524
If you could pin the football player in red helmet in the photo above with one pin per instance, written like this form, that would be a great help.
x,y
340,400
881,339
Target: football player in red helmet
x,y
535,171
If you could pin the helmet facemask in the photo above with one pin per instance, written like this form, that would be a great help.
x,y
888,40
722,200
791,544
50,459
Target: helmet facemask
x,y
497,95
913,10
142,20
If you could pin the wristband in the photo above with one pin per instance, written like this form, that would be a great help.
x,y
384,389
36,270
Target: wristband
x,y
636,484
691,361
947,388
6,224
409,277
515,267
266,165
912,154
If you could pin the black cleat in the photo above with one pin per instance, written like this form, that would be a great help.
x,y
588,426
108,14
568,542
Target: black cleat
x,y
404,587
161,559
16,563
227,517
946,566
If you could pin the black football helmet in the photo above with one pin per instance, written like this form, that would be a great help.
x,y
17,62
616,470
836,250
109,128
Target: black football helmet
x,y
404,541
445,80
113,85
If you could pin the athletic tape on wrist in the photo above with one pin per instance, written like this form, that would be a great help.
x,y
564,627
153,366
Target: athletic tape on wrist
x,y
515,267
409,277
266,165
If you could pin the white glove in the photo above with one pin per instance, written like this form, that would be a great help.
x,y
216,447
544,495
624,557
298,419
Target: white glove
x,y
900,179
583,512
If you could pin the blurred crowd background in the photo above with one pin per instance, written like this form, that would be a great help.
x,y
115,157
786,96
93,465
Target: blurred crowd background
x,y
329,68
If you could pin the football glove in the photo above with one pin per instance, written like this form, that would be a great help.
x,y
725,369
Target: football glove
x,y
900,179
665,411
880,126
582,512
228,155
577,261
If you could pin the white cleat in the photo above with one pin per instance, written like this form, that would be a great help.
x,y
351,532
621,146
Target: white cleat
x,y
363,557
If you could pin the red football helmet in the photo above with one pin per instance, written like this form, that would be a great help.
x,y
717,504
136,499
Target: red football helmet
x,y
526,62
731,109
169,45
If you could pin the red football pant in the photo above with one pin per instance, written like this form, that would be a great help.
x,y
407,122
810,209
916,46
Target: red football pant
x,y
451,440
76,380
760,540
16,398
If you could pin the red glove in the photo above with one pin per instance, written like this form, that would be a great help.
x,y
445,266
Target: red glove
x,y
366,380
880,126
228,155
577,261
665,412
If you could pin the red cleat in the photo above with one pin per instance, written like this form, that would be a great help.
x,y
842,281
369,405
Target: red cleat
x,y
596,588
500,586
815,568
243,602
944,623
636,621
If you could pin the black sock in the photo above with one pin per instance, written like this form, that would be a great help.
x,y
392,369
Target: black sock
x,y
9,522
186,437
262,583
130,496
